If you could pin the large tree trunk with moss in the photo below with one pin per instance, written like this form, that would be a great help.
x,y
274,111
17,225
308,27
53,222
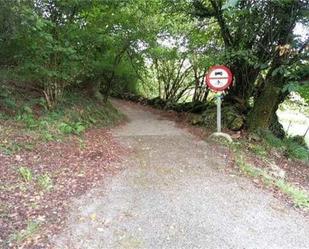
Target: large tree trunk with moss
x,y
263,114
264,107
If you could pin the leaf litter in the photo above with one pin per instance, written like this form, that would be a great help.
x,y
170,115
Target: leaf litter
x,y
30,215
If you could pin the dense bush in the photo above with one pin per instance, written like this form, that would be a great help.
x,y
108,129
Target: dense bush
x,y
56,45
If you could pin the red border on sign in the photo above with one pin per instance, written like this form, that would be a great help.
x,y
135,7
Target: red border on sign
x,y
229,77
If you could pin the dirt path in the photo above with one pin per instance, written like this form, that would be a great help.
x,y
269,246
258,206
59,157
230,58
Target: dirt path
x,y
173,194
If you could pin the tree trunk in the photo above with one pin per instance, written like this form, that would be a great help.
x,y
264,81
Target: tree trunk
x,y
196,86
271,95
263,114
265,107
108,89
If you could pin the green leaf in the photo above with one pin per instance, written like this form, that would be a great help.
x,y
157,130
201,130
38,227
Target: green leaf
x,y
275,72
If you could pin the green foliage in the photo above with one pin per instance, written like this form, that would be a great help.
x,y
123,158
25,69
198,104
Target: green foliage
x,y
45,182
295,150
252,51
172,76
10,147
300,140
75,128
292,147
304,92
159,48
6,99
300,198
25,173
56,45
31,229
79,112
258,149
28,119
247,168
271,139
47,136
74,115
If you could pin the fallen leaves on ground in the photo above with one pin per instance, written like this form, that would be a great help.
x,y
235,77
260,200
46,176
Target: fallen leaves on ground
x,y
74,165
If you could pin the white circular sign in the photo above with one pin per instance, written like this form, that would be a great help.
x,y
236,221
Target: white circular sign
x,y
219,78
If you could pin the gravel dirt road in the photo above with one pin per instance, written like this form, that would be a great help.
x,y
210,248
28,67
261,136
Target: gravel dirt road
x,y
173,193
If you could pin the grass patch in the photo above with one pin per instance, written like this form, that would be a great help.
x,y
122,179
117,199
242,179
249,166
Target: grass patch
x,y
291,147
299,197
45,182
247,168
271,140
25,173
258,149
31,229
295,150
73,116
9,146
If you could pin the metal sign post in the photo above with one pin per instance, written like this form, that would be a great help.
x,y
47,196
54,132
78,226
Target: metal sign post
x,y
218,79
219,96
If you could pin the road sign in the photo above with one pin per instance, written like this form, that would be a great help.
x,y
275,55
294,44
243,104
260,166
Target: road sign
x,y
219,78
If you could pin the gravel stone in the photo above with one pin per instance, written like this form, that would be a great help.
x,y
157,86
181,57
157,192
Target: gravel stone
x,y
174,194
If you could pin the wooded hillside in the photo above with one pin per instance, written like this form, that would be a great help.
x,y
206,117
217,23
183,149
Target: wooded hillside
x,y
155,49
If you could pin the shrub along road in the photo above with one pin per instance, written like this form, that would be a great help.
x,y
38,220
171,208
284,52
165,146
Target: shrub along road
x,y
174,193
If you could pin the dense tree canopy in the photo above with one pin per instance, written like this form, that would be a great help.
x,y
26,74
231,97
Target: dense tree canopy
x,y
104,47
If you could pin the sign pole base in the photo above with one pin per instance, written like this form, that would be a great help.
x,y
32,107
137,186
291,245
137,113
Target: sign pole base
x,y
219,133
223,135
